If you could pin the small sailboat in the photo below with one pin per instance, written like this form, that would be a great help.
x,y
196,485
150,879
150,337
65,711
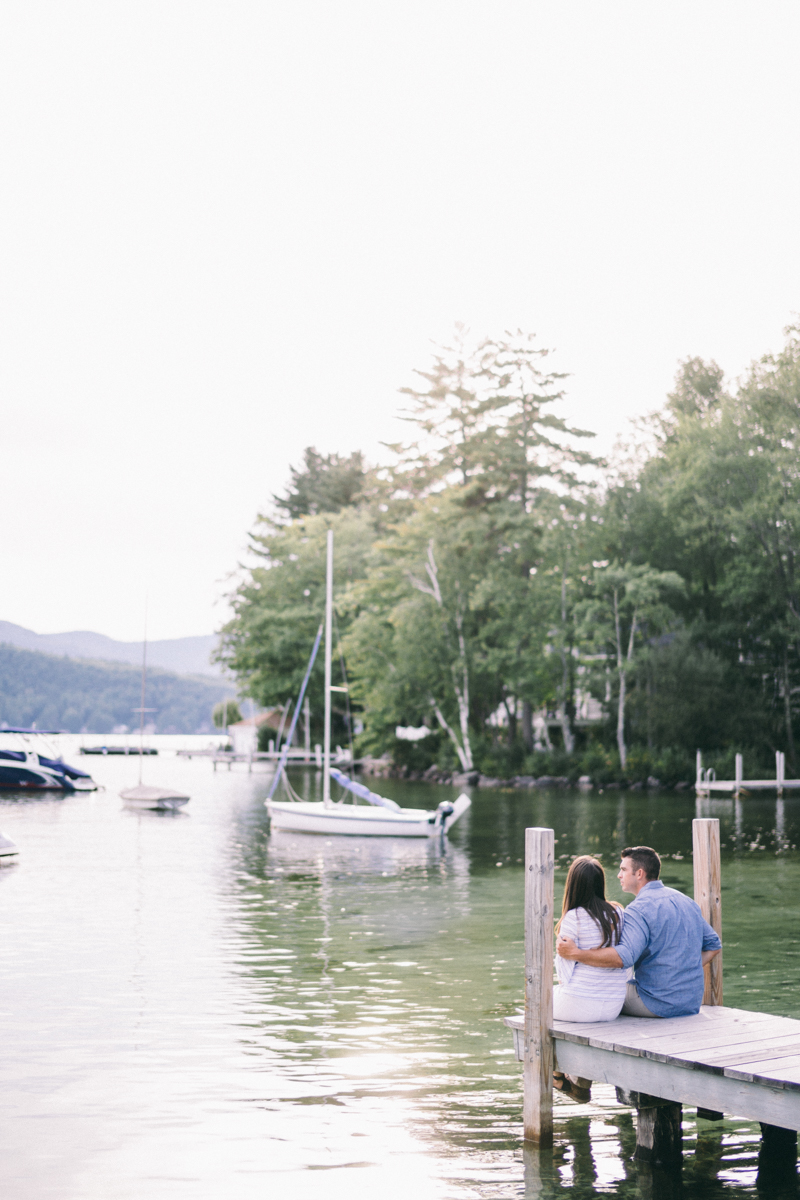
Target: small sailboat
x,y
9,850
381,817
144,796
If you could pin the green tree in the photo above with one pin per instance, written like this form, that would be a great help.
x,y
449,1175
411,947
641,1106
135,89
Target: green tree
x,y
226,713
628,603
412,643
279,603
326,483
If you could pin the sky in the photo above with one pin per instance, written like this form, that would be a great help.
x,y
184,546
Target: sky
x,y
231,230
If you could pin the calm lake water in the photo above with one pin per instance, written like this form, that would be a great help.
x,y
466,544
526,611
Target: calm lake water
x,y
196,1008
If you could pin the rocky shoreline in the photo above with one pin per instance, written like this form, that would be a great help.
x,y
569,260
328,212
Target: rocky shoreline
x,y
384,768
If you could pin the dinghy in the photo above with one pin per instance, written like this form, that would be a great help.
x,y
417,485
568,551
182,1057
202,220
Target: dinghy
x,y
157,798
382,817
9,850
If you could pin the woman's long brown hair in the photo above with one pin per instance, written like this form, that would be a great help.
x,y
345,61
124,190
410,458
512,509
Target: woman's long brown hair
x,y
586,888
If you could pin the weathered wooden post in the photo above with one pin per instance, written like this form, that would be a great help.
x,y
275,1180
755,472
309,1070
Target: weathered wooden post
x,y
707,893
780,770
538,1044
739,772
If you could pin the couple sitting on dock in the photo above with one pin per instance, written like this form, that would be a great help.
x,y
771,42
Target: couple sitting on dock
x,y
661,939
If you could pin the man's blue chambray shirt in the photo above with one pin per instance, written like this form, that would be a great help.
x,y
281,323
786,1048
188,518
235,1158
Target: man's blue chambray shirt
x,y
663,937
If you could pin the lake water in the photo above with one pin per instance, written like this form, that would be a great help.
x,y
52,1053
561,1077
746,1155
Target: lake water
x,y
193,1007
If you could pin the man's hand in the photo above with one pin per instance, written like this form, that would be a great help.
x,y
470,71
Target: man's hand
x,y
566,948
605,957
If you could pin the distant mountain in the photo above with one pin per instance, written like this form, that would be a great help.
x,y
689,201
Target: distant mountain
x,y
95,697
184,656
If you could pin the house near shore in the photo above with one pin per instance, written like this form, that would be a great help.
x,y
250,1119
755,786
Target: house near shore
x,y
244,734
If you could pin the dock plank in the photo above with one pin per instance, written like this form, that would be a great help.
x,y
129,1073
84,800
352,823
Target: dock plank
x,y
731,1057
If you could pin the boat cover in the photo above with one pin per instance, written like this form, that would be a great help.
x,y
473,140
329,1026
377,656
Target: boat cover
x,y
360,789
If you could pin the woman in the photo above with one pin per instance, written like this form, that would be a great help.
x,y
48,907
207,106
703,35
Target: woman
x,y
588,993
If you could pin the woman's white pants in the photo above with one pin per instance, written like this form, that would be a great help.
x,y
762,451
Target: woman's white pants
x,y
571,1006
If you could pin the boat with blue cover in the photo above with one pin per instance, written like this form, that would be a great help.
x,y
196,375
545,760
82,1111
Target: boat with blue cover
x,y
28,761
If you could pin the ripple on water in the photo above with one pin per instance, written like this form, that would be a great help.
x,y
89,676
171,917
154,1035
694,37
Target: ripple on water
x,y
195,1008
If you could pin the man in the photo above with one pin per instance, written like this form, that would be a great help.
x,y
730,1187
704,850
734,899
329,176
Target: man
x,y
664,937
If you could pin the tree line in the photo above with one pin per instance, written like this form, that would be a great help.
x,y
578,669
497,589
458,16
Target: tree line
x,y
79,696
539,609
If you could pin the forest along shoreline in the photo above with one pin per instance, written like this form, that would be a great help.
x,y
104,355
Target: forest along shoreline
x,y
511,609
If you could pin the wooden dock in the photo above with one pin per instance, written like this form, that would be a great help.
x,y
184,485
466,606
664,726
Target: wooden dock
x,y
707,782
721,1060
724,1060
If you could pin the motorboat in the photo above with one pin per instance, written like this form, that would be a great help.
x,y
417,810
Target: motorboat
x,y
381,817
117,750
28,761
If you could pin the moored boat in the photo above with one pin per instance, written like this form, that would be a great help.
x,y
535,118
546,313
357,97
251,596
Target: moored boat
x,y
357,821
156,798
144,795
9,850
29,762
383,817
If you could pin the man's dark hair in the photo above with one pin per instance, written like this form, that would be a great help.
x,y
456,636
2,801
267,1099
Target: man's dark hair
x,y
645,859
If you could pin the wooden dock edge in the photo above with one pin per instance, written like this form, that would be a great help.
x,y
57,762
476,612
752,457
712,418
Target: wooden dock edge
x,y
679,1085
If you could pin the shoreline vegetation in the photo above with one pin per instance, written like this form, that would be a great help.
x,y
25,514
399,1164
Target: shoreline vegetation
x,y
590,770
526,610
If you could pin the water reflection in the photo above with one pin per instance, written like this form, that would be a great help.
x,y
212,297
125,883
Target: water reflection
x,y
198,1007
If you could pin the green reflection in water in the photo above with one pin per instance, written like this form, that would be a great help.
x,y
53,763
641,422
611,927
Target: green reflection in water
x,y
390,965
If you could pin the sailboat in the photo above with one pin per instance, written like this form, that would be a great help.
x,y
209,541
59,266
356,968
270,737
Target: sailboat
x,y
381,817
143,795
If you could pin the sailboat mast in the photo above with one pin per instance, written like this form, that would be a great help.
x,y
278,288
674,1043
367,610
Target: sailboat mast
x,y
326,755
144,675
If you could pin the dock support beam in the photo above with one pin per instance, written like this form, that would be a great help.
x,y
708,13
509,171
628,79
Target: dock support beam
x,y
777,1156
537,1043
659,1137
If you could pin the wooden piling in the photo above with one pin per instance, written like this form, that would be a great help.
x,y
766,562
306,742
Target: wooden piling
x,y
777,1157
537,1042
739,774
659,1137
707,893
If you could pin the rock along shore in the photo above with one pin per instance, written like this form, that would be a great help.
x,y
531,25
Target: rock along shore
x,y
384,768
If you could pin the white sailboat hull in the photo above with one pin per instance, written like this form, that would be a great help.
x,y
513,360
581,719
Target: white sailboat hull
x,y
355,821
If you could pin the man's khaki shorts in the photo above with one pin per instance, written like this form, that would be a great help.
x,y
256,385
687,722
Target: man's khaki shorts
x,y
634,1006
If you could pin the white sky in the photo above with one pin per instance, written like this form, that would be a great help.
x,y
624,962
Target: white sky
x,y
230,230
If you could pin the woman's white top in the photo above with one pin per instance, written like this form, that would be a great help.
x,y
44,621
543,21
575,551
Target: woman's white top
x,y
579,978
